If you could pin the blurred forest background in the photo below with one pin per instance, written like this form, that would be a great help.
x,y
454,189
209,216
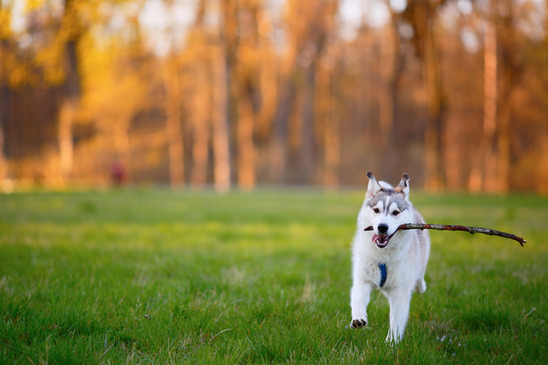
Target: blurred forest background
x,y
240,93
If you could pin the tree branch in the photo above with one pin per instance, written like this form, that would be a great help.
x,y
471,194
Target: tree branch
x,y
447,227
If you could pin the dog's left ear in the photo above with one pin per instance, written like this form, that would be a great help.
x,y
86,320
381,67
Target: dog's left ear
x,y
403,187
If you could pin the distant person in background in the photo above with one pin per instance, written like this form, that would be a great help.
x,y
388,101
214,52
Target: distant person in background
x,y
118,173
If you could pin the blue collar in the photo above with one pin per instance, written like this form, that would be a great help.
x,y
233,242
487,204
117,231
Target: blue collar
x,y
384,275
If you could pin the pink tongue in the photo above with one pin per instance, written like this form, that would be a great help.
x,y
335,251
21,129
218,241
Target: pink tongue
x,y
380,239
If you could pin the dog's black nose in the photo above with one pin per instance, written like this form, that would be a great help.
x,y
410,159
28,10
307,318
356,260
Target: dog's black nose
x,y
383,228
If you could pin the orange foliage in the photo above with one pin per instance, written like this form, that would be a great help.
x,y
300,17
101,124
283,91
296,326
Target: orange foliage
x,y
247,92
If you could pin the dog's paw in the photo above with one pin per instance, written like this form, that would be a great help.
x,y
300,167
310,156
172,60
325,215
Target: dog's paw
x,y
393,338
358,323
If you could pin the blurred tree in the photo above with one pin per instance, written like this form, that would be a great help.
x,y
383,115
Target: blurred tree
x,y
117,81
30,70
541,58
423,17
223,94
503,71
391,70
330,115
248,79
309,25
256,91
69,37
322,24
511,72
174,134
483,174
5,39
197,56
173,84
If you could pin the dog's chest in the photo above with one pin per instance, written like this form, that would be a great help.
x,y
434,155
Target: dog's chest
x,y
376,273
385,273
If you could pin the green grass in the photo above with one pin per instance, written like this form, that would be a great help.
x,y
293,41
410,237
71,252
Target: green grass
x,y
153,276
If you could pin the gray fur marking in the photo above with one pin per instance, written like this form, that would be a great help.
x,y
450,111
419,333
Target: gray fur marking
x,y
394,197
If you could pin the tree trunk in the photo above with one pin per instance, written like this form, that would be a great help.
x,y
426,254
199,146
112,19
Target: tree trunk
x,y
332,136
307,147
390,71
436,107
71,89
434,124
279,142
503,152
173,127
422,15
542,178
200,102
510,72
222,116
221,146
246,146
3,159
249,96
200,115
123,147
66,145
4,102
483,174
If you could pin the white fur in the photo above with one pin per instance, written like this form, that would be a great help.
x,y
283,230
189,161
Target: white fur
x,y
405,256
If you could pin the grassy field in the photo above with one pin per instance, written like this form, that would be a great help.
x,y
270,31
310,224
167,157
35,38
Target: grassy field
x,y
154,276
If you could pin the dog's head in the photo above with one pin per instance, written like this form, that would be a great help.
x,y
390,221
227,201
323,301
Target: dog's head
x,y
386,208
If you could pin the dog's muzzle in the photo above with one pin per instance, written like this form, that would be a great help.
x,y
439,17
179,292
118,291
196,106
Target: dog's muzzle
x,y
381,240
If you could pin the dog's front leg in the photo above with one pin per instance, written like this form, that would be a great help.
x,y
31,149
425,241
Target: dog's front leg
x,y
359,300
399,313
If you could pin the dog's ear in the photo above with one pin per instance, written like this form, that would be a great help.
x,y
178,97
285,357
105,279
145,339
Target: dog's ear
x,y
403,187
373,187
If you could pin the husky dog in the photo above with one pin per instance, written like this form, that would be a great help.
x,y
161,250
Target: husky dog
x,y
393,263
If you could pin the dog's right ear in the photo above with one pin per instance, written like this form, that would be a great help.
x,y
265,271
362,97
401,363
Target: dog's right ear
x,y
373,187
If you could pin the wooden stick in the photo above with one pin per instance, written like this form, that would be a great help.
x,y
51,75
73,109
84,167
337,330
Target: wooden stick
x,y
447,227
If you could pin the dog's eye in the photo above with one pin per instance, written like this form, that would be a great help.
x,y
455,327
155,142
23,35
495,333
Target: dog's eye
x,y
376,210
395,213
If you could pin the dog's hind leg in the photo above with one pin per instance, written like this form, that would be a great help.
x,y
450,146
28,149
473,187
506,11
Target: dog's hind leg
x,y
420,286
399,313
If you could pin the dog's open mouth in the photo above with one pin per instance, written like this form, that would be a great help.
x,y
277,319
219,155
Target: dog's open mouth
x,y
381,240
